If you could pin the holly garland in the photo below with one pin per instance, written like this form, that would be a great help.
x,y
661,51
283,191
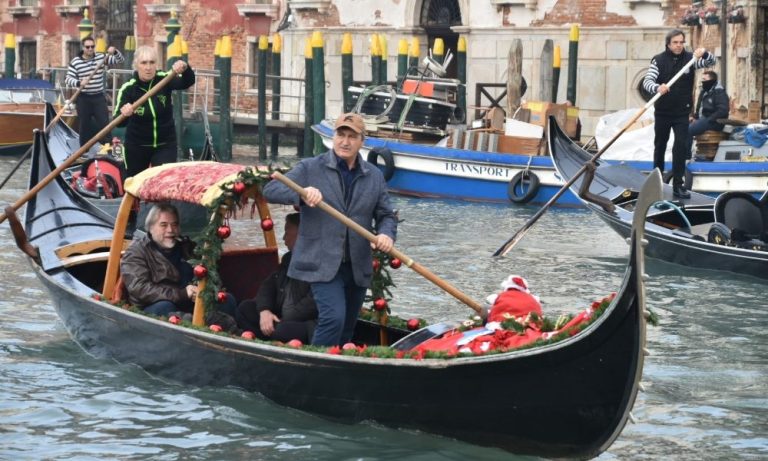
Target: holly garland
x,y
211,239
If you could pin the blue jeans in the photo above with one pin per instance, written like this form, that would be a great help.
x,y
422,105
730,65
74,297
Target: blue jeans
x,y
165,307
697,127
338,305
161,308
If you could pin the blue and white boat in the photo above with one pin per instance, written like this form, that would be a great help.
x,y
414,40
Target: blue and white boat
x,y
423,169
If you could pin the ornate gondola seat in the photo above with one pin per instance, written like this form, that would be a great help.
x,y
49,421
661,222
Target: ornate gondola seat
x,y
740,217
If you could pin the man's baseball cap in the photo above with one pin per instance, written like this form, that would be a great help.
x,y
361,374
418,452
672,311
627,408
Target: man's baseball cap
x,y
352,121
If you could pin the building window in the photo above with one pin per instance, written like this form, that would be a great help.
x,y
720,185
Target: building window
x,y
28,3
254,67
28,59
73,49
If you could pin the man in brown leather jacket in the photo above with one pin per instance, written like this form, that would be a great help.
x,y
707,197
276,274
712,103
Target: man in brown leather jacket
x,y
154,268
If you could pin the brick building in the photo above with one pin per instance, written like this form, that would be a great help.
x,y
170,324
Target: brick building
x,y
617,37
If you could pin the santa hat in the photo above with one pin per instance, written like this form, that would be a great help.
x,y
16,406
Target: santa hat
x,y
515,282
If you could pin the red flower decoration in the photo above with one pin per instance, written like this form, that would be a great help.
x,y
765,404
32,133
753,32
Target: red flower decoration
x,y
334,350
267,224
221,297
395,263
216,328
223,232
295,343
380,304
247,334
174,319
349,347
376,265
200,271
413,324
238,187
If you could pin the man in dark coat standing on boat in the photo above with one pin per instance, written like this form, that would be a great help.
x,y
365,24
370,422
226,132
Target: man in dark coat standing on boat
x,y
336,261
675,106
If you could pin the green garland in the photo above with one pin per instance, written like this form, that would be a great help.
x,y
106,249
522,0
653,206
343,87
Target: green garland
x,y
209,245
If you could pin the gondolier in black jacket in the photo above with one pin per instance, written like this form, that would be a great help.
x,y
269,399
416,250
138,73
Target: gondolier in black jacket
x,y
92,111
675,106
713,104
150,136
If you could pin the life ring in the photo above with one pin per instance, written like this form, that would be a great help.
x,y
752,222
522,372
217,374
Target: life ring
x,y
517,183
386,155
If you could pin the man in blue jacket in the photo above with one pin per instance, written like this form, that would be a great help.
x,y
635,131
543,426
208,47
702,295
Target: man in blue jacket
x,y
337,262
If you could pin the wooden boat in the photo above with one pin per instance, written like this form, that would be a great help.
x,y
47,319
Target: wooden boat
x,y
696,232
569,398
22,109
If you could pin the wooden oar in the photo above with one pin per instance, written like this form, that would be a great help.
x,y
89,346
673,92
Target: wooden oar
x,y
55,119
450,289
85,147
509,244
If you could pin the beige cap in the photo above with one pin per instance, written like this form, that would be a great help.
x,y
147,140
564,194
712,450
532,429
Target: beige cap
x,y
352,121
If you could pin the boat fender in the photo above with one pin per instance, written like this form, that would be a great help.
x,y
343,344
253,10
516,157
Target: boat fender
x,y
517,190
719,234
386,155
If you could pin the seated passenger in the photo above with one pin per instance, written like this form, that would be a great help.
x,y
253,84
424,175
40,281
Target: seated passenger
x,y
155,270
283,309
711,106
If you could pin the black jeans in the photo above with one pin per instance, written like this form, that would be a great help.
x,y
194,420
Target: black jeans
x,y
679,125
93,115
139,158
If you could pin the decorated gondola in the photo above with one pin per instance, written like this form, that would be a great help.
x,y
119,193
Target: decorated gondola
x,y
729,233
567,397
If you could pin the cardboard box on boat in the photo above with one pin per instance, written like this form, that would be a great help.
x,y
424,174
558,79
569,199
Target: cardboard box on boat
x,y
540,112
519,145
571,127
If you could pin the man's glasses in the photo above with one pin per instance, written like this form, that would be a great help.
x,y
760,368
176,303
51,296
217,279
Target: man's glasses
x,y
89,47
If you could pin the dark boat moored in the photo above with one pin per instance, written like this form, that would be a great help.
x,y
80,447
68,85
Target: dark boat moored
x,y
729,233
565,399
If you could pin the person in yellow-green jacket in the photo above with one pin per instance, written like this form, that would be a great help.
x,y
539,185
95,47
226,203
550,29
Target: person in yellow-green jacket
x,y
150,135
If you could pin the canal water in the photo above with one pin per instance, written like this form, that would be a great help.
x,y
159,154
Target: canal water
x,y
706,380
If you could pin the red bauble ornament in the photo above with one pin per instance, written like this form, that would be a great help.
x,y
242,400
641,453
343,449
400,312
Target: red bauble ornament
x,y
380,304
216,328
221,297
295,343
248,335
376,265
238,188
174,319
200,271
349,347
223,232
267,224
395,263
413,324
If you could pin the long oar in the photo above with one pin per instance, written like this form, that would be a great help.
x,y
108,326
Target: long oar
x,y
509,244
450,289
55,119
85,147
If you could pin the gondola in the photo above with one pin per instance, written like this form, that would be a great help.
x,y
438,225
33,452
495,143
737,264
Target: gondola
x,y
728,233
564,399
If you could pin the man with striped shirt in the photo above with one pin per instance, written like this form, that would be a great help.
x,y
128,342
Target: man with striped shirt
x,y
91,104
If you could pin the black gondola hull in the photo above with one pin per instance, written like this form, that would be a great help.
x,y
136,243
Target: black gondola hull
x,y
675,245
569,399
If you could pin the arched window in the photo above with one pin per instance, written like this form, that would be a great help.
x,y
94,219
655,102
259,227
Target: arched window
x,y
440,14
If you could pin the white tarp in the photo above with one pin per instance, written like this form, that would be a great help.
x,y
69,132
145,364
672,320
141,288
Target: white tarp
x,y
636,143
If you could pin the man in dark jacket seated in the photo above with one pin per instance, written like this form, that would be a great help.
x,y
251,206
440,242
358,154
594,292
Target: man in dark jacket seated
x,y
712,104
283,309
155,270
